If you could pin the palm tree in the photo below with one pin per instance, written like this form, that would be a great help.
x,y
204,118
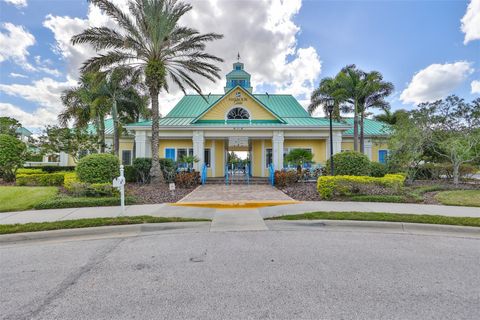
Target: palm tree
x,y
391,117
328,89
350,81
84,104
150,41
375,90
119,87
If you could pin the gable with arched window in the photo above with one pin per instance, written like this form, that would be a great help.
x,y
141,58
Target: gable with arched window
x,y
238,113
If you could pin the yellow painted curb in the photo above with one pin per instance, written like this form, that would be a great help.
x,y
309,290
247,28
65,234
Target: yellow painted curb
x,y
234,204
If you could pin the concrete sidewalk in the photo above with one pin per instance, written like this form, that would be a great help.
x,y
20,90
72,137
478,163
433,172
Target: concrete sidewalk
x,y
166,210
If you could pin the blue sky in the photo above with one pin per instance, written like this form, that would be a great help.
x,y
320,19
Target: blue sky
x,y
417,45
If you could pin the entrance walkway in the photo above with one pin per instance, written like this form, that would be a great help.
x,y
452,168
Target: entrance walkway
x,y
236,193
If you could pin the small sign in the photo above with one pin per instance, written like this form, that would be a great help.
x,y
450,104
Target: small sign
x,y
172,186
118,182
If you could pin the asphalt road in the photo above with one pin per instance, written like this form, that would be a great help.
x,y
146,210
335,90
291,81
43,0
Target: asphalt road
x,y
302,273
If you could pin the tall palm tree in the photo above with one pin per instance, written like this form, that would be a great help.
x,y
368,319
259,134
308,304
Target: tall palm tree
x,y
351,82
375,90
151,42
119,88
84,104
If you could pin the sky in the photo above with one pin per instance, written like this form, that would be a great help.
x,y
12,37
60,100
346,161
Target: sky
x,y
427,49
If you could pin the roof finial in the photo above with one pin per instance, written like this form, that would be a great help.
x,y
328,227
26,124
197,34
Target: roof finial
x,y
238,56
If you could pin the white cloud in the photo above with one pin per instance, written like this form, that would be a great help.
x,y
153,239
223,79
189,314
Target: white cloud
x,y
436,82
475,86
44,92
262,31
17,3
471,22
14,43
17,75
37,119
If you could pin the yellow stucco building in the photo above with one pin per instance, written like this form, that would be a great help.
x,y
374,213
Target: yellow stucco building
x,y
267,126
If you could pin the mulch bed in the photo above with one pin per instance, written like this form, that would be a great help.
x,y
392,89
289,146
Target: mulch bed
x,y
6,184
151,193
302,191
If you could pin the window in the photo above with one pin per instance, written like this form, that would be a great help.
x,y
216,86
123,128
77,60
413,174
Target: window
x,y
238,67
207,157
127,157
268,157
170,153
181,153
238,114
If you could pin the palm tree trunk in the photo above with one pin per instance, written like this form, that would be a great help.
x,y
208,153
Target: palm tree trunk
x,y
102,133
355,127
362,138
155,172
116,137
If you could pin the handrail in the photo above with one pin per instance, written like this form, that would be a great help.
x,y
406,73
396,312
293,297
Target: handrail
x,y
226,174
204,173
272,174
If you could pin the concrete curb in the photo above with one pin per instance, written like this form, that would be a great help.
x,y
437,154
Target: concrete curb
x,y
400,227
122,230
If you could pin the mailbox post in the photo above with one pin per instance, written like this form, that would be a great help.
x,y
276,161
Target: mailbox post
x,y
119,183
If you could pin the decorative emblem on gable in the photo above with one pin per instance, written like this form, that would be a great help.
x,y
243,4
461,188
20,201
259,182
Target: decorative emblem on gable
x,y
238,99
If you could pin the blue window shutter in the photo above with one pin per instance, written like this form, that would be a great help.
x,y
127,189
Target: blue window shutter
x,y
382,156
170,153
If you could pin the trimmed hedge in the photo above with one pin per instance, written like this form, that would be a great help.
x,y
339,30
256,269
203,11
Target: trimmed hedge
x,y
30,171
98,168
47,179
331,186
72,202
350,163
51,169
80,189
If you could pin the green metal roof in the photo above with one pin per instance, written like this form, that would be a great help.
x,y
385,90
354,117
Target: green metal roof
x,y
23,131
108,123
370,127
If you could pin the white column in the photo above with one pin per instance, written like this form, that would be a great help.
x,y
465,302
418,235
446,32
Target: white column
x,y
198,149
277,146
337,144
63,159
368,148
143,147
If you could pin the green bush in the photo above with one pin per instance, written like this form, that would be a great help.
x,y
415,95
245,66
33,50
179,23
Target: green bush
x,y
142,167
34,157
45,179
98,168
378,169
30,171
51,169
130,174
350,163
12,156
331,186
72,202
379,198
83,189
168,169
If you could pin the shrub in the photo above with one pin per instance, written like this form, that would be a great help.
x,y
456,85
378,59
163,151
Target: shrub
x,y
350,163
141,168
130,174
379,198
285,178
434,171
12,156
168,169
80,189
51,169
44,179
71,202
30,171
98,168
331,186
186,179
378,169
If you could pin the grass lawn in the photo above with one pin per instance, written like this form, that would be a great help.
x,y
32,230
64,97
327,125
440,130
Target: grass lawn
x,y
86,223
24,198
470,198
381,216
